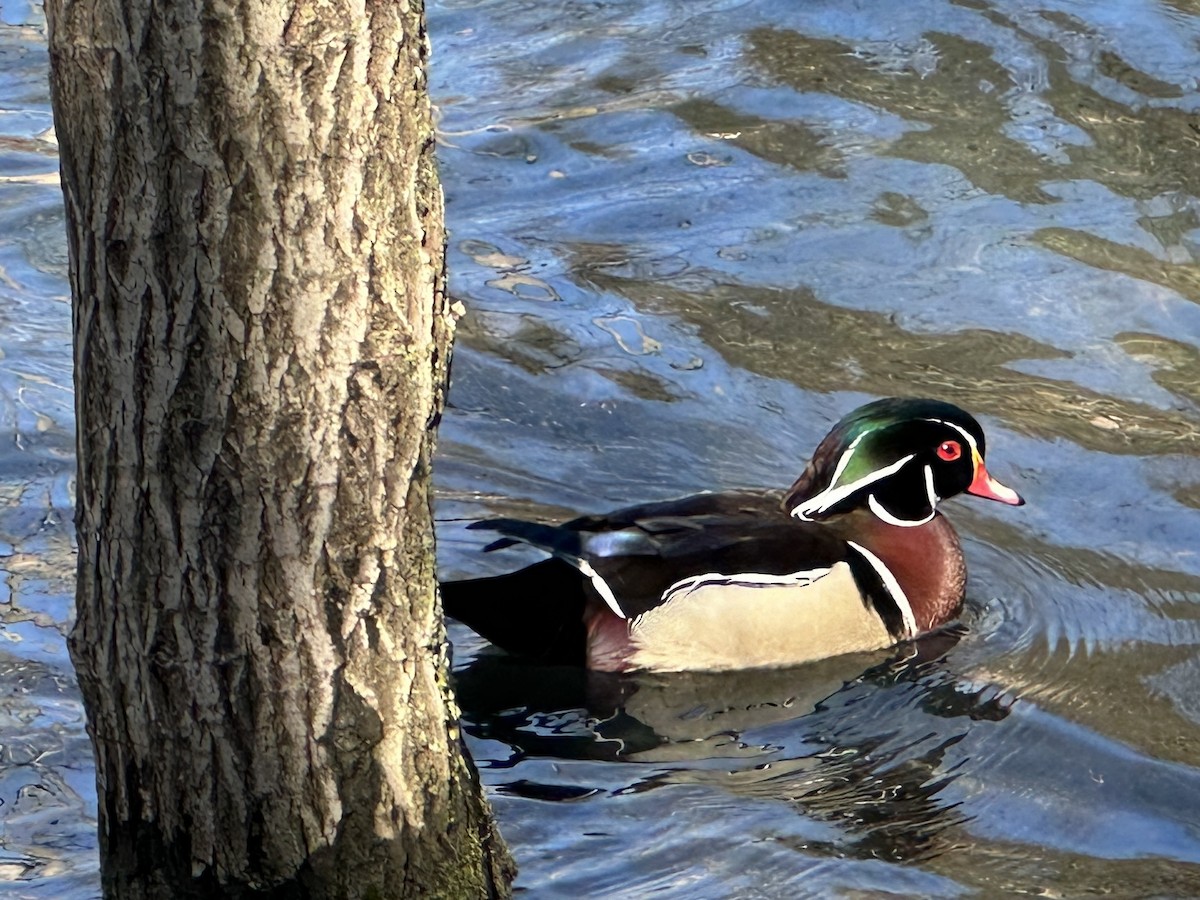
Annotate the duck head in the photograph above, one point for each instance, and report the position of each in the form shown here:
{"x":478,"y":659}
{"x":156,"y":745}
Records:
{"x":898,"y":458}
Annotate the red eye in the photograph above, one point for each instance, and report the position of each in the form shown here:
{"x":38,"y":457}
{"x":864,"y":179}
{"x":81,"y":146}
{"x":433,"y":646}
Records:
{"x":950,"y":451}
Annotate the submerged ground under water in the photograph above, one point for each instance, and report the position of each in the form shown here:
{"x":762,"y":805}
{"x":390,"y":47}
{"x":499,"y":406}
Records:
{"x":690,"y":235}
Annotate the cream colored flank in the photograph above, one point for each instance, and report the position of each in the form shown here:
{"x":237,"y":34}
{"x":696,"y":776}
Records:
{"x":722,"y":624}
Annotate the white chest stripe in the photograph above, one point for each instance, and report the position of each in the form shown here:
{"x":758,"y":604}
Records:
{"x":748,"y":579}
{"x":893,"y":588}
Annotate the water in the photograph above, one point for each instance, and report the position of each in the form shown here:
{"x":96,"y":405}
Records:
{"x":690,"y":235}
{"x":47,"y":783}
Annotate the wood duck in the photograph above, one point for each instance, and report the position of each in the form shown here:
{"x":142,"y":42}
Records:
{"x":855,"y":556}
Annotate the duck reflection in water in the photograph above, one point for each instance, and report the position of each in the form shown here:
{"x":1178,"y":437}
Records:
{"x":859,"y":741}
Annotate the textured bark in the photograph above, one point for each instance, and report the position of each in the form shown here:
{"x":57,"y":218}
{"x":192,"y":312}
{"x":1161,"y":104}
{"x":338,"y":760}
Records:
{"x":261,"y":346}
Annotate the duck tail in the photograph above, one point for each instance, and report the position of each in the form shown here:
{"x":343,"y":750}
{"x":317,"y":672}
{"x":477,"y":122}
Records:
{"x":536,"y":612}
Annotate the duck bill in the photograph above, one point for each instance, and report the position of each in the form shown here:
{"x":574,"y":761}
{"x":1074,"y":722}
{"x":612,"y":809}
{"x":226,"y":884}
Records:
{"x":986,"y":486}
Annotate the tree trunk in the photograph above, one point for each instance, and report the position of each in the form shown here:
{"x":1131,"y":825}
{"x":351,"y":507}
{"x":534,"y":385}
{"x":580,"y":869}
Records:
{"x":261,"y":349}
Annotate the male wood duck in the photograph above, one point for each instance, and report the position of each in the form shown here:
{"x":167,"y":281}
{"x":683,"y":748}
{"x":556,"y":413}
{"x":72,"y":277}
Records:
{"x":855,"y":556}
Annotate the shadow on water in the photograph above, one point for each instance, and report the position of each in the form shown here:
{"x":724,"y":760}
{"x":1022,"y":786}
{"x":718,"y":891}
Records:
{"x":872,"y":352}
{"x":962,"y":100}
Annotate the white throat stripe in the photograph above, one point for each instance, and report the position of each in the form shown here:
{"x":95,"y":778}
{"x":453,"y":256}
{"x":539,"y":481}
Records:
{"x":877,"y":508}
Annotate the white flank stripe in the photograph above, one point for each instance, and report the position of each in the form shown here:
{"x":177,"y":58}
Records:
{"x":831,"y":496}
{"x":893,"y":588}
{"x":601,"y":587}
{"x":690,"y":584}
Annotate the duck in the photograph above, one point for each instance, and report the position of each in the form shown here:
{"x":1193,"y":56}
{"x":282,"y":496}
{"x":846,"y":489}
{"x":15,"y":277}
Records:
{"x":855,"y":556}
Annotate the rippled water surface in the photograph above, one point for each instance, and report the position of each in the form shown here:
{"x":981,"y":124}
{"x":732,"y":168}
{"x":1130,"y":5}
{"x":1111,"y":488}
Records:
{"x":47,"y":783}
{"x":689,"y":236}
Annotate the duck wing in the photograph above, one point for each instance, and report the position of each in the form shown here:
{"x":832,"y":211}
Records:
{"x":637,"y":558}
